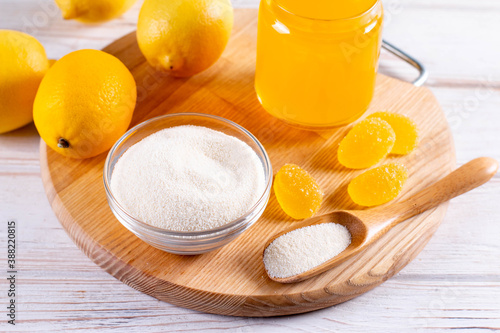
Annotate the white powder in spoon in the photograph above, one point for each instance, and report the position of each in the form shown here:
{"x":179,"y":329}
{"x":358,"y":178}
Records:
{"x":303,"y":249}
{"x":188,"y":178}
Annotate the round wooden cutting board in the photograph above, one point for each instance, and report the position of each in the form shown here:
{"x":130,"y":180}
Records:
{"x":232,"y":280}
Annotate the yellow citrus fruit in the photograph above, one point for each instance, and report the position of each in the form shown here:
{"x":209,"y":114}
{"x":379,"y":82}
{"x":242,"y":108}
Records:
{"x":23,"y":63}
{"x":92,"y":11}
{"x":85,"y":103}
{"x":184,"y":37}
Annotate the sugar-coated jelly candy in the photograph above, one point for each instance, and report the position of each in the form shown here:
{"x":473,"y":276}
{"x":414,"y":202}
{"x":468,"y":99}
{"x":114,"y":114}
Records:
{"x":379,"y":185}
{"x":298,"y":194}
{"x":405,"y":129}
{"x":366,"y":144}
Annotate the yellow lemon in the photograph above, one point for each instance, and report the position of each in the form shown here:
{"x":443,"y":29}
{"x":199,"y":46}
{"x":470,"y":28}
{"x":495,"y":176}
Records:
{"x":85,"y":103}
{"x":184,"y":37}
{"x":23,"y":63}
{"x":92,"y":11}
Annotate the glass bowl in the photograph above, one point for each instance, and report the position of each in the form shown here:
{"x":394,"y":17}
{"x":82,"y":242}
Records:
{"x":193,"y":242}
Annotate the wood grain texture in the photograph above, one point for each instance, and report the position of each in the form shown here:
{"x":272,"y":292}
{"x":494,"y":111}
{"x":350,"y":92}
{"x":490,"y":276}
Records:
{"x":232,"y":280}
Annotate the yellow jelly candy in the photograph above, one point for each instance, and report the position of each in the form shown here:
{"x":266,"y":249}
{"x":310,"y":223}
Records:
{"x":366,"y":144}
{"x":379,"y":185}
{"x":297,"y":192}
{"x":405,"y":129}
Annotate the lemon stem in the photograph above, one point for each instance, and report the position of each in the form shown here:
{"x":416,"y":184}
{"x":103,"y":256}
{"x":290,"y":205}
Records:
{"x":69,"y":10}
{"x":62,"y":143}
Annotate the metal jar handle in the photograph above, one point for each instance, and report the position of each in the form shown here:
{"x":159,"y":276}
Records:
{"x":409,"y":59}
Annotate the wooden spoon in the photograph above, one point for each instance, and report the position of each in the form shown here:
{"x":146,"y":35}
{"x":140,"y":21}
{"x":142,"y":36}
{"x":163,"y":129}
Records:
{"x":366,"y":226}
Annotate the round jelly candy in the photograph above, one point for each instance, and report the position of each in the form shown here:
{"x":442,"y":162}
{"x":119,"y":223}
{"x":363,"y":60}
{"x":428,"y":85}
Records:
{"x":366,"y":144}
{"x":405,"y":129}
{"x":297,"y":192}
{"x":379,"y":185}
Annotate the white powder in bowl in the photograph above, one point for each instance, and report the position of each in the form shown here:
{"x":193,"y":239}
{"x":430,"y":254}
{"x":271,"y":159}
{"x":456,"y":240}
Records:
{"x":303,"y":249}
{"x":188,"y":178}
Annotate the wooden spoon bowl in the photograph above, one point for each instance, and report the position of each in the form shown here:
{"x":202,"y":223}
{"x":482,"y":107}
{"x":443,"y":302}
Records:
{"x":366,"y":226}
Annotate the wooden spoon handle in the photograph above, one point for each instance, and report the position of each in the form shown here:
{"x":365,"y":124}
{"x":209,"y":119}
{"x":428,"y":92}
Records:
{"x":466,"y":178}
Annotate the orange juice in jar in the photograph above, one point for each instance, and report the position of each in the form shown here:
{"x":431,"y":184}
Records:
{"x":317,"y":60}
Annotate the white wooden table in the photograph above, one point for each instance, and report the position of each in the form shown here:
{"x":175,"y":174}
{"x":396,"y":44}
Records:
{"x":454,"y":282}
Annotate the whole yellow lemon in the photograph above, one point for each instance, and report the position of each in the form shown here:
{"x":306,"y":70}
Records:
{"x":93,"y":11}
{"x":184,"y":37}
{"x":85,"y":103}
{"x":23,"y":63}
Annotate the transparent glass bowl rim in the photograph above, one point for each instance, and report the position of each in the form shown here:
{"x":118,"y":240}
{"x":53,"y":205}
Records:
{"x":210,"y":232}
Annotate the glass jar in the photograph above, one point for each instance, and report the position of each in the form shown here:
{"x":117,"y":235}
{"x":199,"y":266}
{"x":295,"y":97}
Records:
{"x":317,"y":71}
